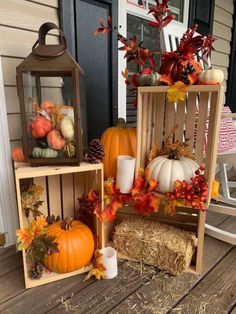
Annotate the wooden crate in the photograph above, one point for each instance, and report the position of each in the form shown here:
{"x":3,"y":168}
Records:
{"x":155,"y":119}
{"x":62,"y":186}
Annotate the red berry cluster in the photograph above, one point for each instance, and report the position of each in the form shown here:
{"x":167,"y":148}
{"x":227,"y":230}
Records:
{"x":191,"y":194}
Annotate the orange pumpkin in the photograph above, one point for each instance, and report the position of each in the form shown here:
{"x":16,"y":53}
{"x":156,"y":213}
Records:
{"x":56,"y":140}
{"x":75,"y":244}
{"x":40,"y":126}
{"x":118,"y":140}
{"x":17,"y":154}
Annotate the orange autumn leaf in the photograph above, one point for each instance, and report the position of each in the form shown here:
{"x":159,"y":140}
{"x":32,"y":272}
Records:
{"x":139,"y":183}
{"x":152,"y":185}
{"x":109,"y":212}
{"x":125,"y":73}
{"x":38,"y":225}
{"x":215,"y":190}
{"x":166,"y":80}
{"x":24,"y":238}
{"x":92,"y":196}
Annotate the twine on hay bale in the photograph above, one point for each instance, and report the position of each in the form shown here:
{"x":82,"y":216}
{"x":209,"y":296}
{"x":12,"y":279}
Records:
{"x":166,"y":247}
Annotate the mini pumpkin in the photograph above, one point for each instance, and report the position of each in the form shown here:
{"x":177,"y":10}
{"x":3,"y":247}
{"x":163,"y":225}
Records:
{"x":211,"y":77}
{"x":75,"y":244}
{"x":67,"y":128}
{"x":17,"y":154}
{"x":167,"y":169}
{"x":39,"y":126}
{"x":44,"y":153}
{"x":152,"y":79}
{"x":56,"y":140}
{"x":117,"y":140}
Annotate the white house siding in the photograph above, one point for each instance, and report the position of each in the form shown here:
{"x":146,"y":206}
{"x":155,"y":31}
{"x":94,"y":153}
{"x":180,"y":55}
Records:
{"x":222,"y":29}
{"x":19,"y":24}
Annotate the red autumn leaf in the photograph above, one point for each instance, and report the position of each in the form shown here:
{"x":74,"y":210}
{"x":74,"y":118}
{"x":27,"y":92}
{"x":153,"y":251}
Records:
{"x":167,"y":20}
{"x":147,"y":203}
{"x":146,"y":71}
{"x":154,"y":24}
{"x":99,"y":30}
{"x":101,"y":23}
{"x":109,"y":23}
{"x":106,"y":30}
{"x":109,"y":213}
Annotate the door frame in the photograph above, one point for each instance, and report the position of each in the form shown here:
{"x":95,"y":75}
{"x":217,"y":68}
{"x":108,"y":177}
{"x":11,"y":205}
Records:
{"x":8,"y":207}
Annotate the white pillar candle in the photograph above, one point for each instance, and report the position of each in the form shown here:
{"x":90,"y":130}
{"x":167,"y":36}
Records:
{"x":125,"y":173}
{"x":109,"y":260}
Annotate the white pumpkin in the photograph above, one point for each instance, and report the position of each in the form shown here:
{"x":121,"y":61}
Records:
{"x":211,"y":77}
{"x":166,"y":171}
{"x":67,"y":128}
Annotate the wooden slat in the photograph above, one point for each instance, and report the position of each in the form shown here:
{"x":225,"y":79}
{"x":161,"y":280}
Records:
{"x":42,"y":182}
{"x":18,"y":43}
{"x":180,"y":121}
{"x":139,"y":132}
{"x":218,"y":58}
{"x":149,"y":122}
{"x":54,"y":195}
{"x":123,"y":285}
{"x":223,"y":17}
{"x":158,"y":118}
{"x":227,"y":5}
{"x":51,"y":3}
{"x":79,"y":188}
{"x":26,"y":15}
{"x":191,"y":119}
{"x":144,"y":128}
{"x":216,"y":291}
{"x":10,"y":262}
{"x":68,"y":195}
{"x":201,"y":126}
{"x":169,"y":118}
{"x":221,"y":31}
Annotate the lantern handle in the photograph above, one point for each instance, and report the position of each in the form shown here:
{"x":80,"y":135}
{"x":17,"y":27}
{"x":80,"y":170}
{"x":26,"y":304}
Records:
{"x":43,"y":31}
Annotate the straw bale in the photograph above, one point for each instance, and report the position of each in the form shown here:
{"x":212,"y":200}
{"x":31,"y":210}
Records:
{"x":161,"y":245}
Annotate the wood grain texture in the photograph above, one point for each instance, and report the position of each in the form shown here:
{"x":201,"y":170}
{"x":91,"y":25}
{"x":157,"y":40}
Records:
{"x":26,"y":15}
{"x":104,"y":296}
{"x":217,"y":291}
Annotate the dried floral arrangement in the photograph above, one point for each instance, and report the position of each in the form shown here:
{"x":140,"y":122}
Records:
{"x":51,"y":127}
{"x":179,"y":67}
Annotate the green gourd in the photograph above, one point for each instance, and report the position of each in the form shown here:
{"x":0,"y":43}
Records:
{"x":44,"y":153}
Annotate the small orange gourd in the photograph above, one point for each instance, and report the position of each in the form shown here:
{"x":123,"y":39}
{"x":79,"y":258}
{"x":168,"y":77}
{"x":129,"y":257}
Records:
{"x":75,"y":244}
{"x":117,"y":140}
{"x":56,"y":140}
{"x":17,"y":154}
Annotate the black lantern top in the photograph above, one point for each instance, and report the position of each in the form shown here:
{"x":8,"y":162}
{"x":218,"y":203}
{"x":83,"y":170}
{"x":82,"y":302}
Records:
{"x":52,"y":101}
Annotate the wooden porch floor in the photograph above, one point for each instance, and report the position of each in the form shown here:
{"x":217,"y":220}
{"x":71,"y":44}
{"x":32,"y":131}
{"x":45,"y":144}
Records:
{"x":135,"y":290}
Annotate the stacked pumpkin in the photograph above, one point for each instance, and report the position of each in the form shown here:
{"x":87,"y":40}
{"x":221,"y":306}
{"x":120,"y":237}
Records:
{"x":52,"y":134}
{"x":117,"y":140}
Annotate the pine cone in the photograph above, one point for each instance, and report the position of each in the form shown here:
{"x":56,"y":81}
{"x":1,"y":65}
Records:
{"x":36,"y":271}
{"x":85,"y":211}
{"x":95,"y":152}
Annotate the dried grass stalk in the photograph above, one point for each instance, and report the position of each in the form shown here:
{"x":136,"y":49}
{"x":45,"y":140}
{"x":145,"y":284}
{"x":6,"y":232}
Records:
{"x":166,"y":247}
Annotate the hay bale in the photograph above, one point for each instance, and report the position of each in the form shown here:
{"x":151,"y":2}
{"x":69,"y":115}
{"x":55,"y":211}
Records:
{"x":166,"y":247}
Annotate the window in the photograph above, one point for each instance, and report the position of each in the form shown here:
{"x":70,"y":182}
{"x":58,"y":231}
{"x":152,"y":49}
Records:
{"x":137,"y":24}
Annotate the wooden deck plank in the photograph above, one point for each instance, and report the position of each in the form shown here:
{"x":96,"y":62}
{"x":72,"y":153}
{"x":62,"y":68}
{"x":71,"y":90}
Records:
{"x":103,"y":295}
{"x":216,"y":293}
{"x":40,"y":299}
{"x":6,"y":252}
{"x":164,"y":291}
{"x":10,"y":262}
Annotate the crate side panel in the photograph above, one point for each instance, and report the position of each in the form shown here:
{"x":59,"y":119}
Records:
{"x":54,"y":195}
{"x":68,"y":204}
{"x":191,"y":119}
{"x":41,"y":181}
{"x":158,"y":118}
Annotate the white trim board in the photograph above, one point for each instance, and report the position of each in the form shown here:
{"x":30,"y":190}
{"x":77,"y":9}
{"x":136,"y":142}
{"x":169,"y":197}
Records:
{"x":8,"y":207}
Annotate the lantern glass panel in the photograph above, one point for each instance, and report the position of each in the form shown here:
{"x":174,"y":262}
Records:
{"x":49,"y":115}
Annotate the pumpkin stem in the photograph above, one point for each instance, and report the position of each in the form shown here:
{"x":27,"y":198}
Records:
{"x":121,"y":123}
{"x":173,"y":154}
{"x":67,"y":223}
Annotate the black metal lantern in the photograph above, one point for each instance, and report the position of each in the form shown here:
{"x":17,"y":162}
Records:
{"x":52,"y":101}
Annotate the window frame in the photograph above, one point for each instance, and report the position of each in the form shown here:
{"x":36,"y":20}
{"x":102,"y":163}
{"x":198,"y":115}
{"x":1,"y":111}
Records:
{"x":125,"y":8}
